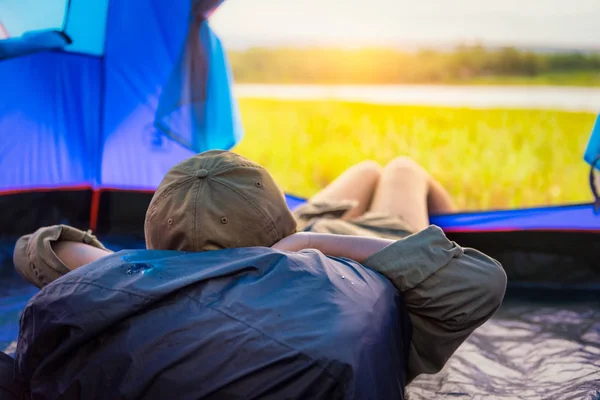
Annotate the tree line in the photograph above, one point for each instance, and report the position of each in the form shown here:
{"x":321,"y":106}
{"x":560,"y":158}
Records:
{"x":390,"y":66}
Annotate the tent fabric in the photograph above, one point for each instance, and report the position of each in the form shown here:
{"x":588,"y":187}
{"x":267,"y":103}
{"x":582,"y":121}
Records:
{"x":49,"y":121}
{"x":592,"y":151}
{"x":133,"y":90}
{"x":182,"y":107}
{"x":134,"y":154}
{"x":222,"y":121}
{"x":33,"y":42}
{"x":553,"y":218}
{"x":592,"y":156}
{"x":581,"y":217}
{"x":85,"y":24}
{"x":544,"y":345}
{"x":249,"y":323}
{"x":199,"y":73}
{"x":9,"y":389}
{"x":89,"y":119}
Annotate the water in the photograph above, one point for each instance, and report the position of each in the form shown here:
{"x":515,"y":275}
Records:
{"x":137,"y":268}
{"x":535,"y":97}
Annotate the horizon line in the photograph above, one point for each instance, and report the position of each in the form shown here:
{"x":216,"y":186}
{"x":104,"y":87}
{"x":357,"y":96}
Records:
{"x":243,"y":43}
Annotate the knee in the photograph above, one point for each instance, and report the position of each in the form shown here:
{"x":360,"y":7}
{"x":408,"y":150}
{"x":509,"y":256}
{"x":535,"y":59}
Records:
{"x":404,"y":165}
{"x":370,"y":169}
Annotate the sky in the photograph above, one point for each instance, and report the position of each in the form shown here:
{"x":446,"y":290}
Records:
{"x":351,"y":23}
{"x":354,"y":23}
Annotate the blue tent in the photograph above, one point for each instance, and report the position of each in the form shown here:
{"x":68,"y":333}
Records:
{"x":98,"y":104}
{"x":99,"y":99}
{"x":115,"y":108}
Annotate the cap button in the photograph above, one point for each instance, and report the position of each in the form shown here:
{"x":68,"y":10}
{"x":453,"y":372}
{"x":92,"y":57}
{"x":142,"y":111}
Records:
{"x":202,"y":173}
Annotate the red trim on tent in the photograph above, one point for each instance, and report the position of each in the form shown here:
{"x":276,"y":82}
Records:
{"x":95,"y":206}
{"x":74,"y":188}
{"x":94,"y":209}
{"x":490,"y":230}
{"x":96,"y":192}
{"x":46,"y":189}
{"x":121,"y":189}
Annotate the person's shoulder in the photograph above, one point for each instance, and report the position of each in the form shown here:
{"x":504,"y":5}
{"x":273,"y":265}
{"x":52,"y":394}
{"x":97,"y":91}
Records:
{"x":340,"y":271}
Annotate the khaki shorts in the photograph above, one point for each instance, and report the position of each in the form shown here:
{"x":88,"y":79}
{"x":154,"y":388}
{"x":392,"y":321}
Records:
{"x":325,"y":217}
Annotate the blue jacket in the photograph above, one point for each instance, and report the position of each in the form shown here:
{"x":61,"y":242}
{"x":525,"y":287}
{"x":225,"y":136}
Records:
{"x":228,"y":324}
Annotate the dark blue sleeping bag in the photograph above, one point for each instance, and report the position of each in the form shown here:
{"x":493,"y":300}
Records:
{"x":9,"y":389}
{"x":228,"y":324}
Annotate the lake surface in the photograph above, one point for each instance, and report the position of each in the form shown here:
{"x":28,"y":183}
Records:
{"x":536,"y":97}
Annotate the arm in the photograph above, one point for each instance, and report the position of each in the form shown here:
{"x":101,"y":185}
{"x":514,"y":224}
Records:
{"x":357,"y":248}
{"x":52,"y":251}
{"x":449,"y":291}
{"x":76,"y":254}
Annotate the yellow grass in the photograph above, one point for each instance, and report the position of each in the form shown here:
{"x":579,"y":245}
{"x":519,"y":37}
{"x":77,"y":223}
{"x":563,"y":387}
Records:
{"x":488,"y":159}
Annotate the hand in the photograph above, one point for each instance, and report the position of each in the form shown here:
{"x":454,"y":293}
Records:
{"x":295,"y":242}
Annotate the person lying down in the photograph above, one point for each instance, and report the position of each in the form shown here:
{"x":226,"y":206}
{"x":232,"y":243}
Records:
{"x":352,"y":295}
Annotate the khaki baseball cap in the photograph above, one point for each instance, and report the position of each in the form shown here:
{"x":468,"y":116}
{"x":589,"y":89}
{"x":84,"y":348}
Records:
{"x":216,"y":200}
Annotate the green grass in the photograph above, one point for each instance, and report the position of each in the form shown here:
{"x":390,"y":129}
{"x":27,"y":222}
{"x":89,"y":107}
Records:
{"x":465,"y":65}
{"x":488,"y":159}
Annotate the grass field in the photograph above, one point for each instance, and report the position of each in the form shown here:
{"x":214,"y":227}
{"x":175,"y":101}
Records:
{"x":581,"y":78}
{"x":488,"y":159}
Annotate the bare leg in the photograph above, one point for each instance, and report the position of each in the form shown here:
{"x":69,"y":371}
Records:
{"x":402,"y":191}
{"x":356,"y":183}
{"x":439,"y":200}
{"x":408,"y":191}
